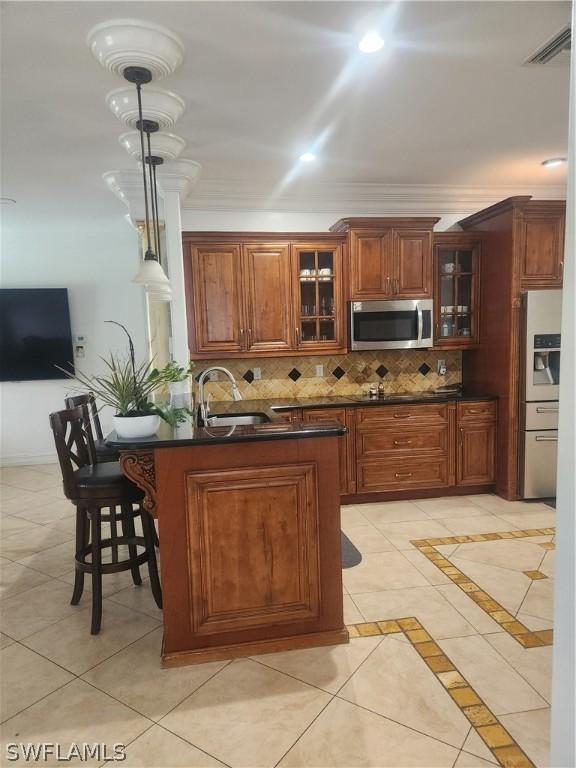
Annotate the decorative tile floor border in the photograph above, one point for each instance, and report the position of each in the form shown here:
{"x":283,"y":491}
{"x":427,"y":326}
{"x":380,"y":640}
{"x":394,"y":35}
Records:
{"x":509,"y":623}
{"x":502,"y":745}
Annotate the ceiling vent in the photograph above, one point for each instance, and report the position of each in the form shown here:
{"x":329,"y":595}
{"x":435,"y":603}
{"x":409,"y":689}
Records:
{"x":556,"y":49}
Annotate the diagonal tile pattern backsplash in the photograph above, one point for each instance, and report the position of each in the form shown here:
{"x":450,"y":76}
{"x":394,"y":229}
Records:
{"x":351,"y":374}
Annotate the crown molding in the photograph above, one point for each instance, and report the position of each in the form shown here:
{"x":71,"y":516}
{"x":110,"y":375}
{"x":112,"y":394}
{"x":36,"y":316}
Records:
{"x":358,"y":199}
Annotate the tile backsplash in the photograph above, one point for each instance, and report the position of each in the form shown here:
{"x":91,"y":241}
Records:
{"x":351,"y":374}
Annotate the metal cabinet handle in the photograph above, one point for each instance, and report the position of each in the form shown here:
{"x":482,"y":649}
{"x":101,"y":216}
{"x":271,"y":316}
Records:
{"x":402,"y":442}
{"x":402,"y":415}
{"x":242,"y":332}
{"x":402,"y":474}
{"x":542,"y":409}
{"x":249,"y":337}
{"x":297,"y":337}
{"x":388,"y":287}
{"x":561,"y":270}
{"x":541,"y":439}
{"x":474,"y":410}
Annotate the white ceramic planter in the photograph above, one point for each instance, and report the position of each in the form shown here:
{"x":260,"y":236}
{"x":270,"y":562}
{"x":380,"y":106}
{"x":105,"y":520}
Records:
{"x":136,"y":426}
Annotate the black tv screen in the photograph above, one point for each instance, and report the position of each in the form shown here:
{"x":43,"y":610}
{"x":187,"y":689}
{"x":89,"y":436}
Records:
{"x":35,"y":334}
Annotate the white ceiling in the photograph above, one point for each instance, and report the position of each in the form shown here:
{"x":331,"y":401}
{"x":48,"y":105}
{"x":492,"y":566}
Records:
{"x":447,"y":103}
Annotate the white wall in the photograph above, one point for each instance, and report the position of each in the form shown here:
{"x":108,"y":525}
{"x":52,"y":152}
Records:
{"x":96,"y":261}
{"x":563,"y":732}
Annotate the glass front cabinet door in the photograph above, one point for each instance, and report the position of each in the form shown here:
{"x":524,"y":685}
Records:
{"x":456,"y":268}
{"x":318,"y":299}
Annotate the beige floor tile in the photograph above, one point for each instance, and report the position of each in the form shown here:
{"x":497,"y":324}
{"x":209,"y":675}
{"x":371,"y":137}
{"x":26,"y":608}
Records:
{"x":447,"y":549}
{"x":26,"y":678}
{"x":37,"y":608}
{"x":548,"y":563}
{"x":529,"y":518}
{"x":395,"y":682}
{"x":507,"y":587}
{"x":351,"y":516}
{"x":449,"y":506}
{"x":497,"y":504}
{"x":393,"y":512}
{"x":539,"y":600}
{"x":134,"y":677}
{"x":466,"y":760}
{"x":22,"y":545}
{"x":533,"y":622}
{"x":532,"y":732}
{"x":327,"y":667}
{"x":478,"y":618}
{"x":138,"y":598}
{"x":387,"y":570}
{"x":75,"y":714}
{"x":476,"y":747}
{"x":52,"y":469}
{"x":534,"y":664}
{"x":54,"y":561}
{"x":5,"y":641}
{"x":158,"y":748}
{"x":514,"y":554}
{"x":494,"y":680}
{"x":467,"y":526}
{"x":247,"y":715}
{"x":10,"y":525}
{"x":351,"y":613}
{"x":367,"y":539}
{"x":16,"y":501}
{"x":431,"y":573}
{"x":53,"y":511}
{"x":16,"y":578}
{"x":425,"y":603}
{"x":401,"y":534}
{"x":70,"y":644}
{"x":346,"y":736}
{"x":28,"y":479}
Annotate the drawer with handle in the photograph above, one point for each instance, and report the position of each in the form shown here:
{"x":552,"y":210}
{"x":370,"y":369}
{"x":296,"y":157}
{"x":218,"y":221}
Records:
{"x":543,"y":415}
{"x":394,"y":476}
{"x":403,"y":414}
{"x":477,"y":411}
{"x":390,"y":441}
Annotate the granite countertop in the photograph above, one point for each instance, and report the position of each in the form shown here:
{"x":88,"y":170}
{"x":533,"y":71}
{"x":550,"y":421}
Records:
{"x":275,"y":428}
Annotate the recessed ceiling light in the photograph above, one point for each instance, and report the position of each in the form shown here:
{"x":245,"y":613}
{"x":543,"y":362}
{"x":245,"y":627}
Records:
{"x":554,"y":161}
{"x":308,"y":157}
{"x":371,"y":42}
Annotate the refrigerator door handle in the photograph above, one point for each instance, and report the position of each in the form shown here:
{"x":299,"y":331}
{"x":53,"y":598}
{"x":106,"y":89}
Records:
{"x":547,"y":409}
{"x":542,"y":439}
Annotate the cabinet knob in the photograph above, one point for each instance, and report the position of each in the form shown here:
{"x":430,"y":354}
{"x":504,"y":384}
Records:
{"x":402,"y":442}
{"x":399,"y":475}
{"x":402,"y":415}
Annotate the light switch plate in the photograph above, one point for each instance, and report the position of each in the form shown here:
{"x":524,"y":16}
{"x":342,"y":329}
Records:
{"x":319,"y":370}
{"x":257,"y":373}
{"x":442,"y":369}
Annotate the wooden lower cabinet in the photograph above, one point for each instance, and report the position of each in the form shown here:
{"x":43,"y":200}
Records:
{"x":401,"y":475}
{"x":476,"y":453}
{"x":346,"y":443}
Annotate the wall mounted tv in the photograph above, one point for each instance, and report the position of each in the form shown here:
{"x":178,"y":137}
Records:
{"x":35,"y":334}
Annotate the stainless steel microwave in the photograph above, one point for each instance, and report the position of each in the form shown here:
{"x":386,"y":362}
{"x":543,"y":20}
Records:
{"x":391,"y":324}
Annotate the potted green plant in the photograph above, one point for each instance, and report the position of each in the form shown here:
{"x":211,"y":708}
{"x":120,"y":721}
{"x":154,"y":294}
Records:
{"x":128,"y":387}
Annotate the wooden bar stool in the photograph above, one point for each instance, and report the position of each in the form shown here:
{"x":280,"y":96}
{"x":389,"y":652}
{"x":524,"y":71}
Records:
{"x":92,"y":487}
{"x":103,"y":453}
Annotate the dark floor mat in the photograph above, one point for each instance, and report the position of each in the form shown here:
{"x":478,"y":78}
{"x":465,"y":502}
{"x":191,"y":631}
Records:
{"x":350,"y":555}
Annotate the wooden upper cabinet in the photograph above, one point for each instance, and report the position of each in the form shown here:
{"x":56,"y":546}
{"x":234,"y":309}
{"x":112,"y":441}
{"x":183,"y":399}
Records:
{"x":370,"y":264}
{"x":215,"y":305}
{"x":389,"y":257}
{"x":269,"y":324}
{"x":541,"y":244}
{"x":412,"y":273}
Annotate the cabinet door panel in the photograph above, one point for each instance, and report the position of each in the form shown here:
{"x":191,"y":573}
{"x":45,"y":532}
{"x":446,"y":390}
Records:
{"x":217,"y":298}
{"x":253,"y":547}
{"x":412,"y":264}
{"x":267,"y":281}
{"x":542,"y":249}
{"x":476,"y":453}
{"x":345,"y":443}
{"x":370,"y":265}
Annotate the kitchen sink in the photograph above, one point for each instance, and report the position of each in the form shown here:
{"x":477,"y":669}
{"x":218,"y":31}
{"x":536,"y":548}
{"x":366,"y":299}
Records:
{"x":233,"y":420}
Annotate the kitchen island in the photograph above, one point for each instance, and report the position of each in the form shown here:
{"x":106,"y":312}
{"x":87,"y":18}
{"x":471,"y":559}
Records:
{"x":249,"y":529}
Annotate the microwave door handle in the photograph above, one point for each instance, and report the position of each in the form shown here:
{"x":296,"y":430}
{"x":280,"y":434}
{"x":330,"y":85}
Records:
{"x":420,"y":322}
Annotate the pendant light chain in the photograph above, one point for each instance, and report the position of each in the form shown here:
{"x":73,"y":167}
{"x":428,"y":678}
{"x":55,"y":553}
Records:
{"x":157,"y":217}
{"x":146,"y":213}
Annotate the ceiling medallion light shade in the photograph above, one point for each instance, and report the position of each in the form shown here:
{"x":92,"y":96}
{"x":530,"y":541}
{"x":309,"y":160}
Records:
{"x":122,"y":43}
{"x":164,"y":107}
{"x":165,"y":145}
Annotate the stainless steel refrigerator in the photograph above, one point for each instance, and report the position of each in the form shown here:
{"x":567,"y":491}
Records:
{"x":539,"y":393}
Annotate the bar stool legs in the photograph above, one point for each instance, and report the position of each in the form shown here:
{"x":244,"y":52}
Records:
{"x":96,"y":571}
{"x":129,"y":532}
{"x":81,"y":542}
{"x":148,"y":528}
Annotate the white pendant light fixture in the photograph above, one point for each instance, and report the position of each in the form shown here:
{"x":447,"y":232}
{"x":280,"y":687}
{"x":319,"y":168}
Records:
{"x":165,"y":107}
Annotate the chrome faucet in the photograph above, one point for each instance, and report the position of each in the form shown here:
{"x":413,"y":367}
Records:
{"x":204,"y":405}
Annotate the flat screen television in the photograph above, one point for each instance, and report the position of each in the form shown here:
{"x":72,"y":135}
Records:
{"x":35,"y":334}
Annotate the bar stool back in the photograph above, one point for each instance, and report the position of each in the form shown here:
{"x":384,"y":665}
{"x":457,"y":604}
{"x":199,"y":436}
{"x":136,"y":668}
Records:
{"x":93,"y":487}
{"x":103,"y":453}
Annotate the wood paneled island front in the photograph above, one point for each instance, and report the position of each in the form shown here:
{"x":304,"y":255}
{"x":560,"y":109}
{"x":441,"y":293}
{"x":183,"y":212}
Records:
{"x":249,"y":529}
